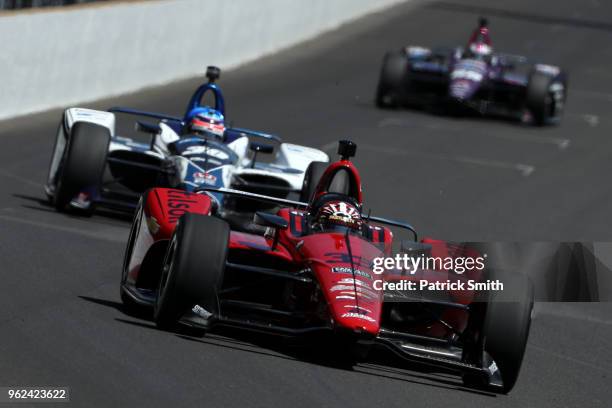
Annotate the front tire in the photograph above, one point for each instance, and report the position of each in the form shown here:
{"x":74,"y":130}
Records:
{"x":505,"y":328}
{"x":83,"y":162}
{"x":129,"y":303}
{"x":193,"y":269}
{"x":544,"y":101}
{"x":393,"y":80}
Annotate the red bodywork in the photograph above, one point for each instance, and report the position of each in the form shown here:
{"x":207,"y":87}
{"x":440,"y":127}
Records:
{"x":155,"y":222}
{"x":343,"y":283}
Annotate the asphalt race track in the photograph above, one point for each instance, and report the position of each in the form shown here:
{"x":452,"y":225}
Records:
{"x":61,"y":321}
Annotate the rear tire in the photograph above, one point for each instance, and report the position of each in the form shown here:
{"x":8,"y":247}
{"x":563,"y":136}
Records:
{"x":83,"y":162}
{"x":193,"y":269}
{"x":393,"y":80}
{"x":313,"y":174}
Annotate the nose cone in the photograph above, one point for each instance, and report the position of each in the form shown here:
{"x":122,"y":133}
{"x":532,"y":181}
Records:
{"x":358,"y":322}
{"x":462,"y":89}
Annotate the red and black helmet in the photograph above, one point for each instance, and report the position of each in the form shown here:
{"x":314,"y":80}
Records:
{"x":338,"y":216}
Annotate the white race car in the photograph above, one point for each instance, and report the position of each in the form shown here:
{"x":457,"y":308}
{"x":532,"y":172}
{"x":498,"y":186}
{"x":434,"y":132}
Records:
{"x":93,"y":166}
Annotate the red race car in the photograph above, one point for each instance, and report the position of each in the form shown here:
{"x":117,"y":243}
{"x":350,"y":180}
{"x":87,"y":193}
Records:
{"x":311,"y":268}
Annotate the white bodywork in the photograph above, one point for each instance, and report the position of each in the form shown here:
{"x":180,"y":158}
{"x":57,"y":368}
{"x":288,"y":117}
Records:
{"x":289,"y":163}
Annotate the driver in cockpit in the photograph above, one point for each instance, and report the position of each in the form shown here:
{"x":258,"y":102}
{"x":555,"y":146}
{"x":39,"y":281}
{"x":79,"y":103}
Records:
{"x":202,"y":122}
{"x":480,"y":46}
{"x":205,"y":122}
{"x":337,"y":216}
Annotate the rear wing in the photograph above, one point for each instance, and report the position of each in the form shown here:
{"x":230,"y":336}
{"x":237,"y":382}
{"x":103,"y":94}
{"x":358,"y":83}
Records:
{"x":258,"y":197}
{"x":511,"y":58}
{"x":135,"y":112}
{"x":240,"y":132}
{"x":170,"y":118}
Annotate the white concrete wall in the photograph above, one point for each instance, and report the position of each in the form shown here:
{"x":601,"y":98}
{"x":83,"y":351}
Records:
{"x":58,"y":58}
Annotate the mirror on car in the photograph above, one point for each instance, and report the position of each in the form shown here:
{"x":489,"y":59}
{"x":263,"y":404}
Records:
{"x":257,"y":148}
{"x":270,"y":220}
{"x":261,"y":148}
{"x":152,"y":128}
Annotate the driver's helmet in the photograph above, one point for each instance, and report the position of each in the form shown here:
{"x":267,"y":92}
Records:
{"x":480,"y":50}
{"x":206,"y":122}
{"x":338,"y":216}
{"x":480,"y":45}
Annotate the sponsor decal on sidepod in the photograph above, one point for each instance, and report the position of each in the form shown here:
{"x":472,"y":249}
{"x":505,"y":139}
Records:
{"x":359,"y":316}
{"x":349,"y":271}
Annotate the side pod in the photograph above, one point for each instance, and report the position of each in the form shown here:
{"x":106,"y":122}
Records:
{"x":164,"y":206}
{"x":156,"y":218}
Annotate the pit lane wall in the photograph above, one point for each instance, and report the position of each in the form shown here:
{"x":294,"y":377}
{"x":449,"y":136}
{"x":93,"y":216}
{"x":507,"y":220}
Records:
{"x":56,"y":58}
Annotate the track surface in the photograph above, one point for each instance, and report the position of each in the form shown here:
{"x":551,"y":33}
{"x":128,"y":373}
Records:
{"x":457,"y":178}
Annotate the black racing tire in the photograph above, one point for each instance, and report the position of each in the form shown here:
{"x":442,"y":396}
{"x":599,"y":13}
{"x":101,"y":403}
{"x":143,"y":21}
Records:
{"x":393,"y":80}
{"x":541,"y":101}
{"x":83,"y":163}
{"x":505,"y":328}
{"x":60,"y":139}
{"x":313,"y":174}
{"x":129,"y":304}
{"x":193,"y":269}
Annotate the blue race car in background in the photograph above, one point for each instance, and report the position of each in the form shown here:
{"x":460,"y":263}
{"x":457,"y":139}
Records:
{"x":93,"y":166}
